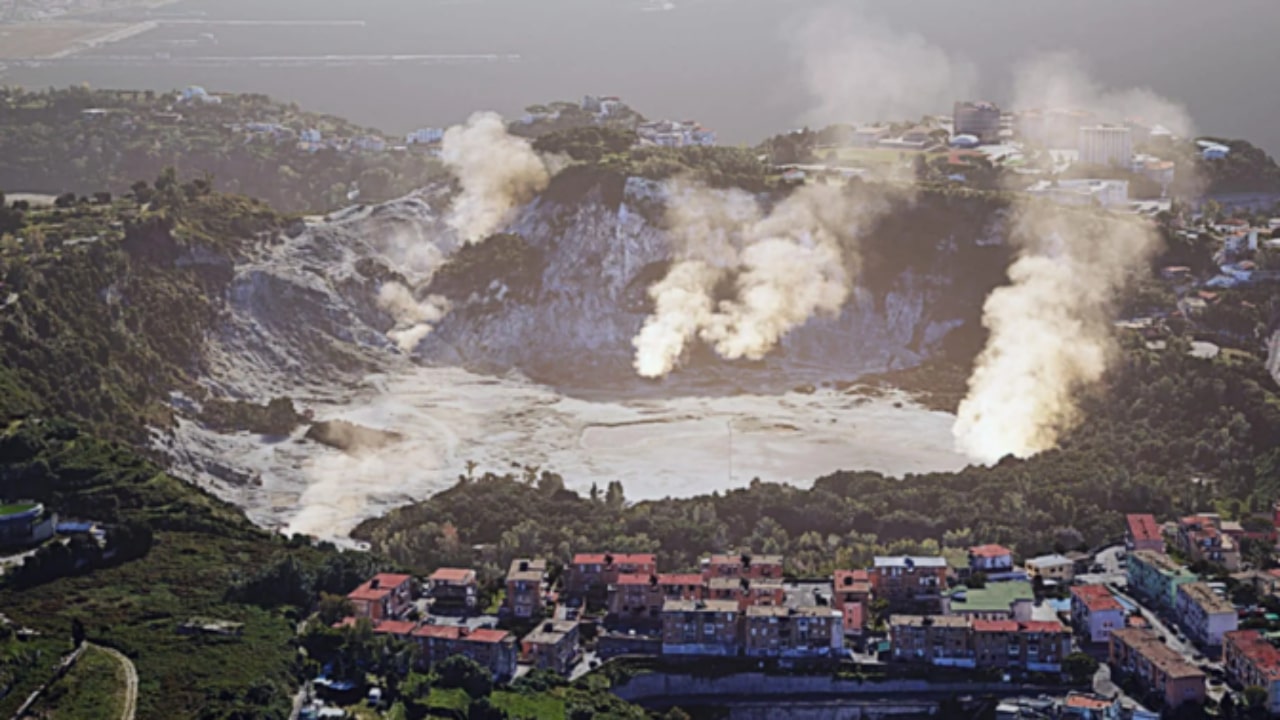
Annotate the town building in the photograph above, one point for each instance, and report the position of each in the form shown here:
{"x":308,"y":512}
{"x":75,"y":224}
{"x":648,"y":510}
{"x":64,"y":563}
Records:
{"x":1101,"y":193}
{"x":910,"y":584}
{"x":1252,"y":661}
{"x":742,"y":566}
{"x":424,"y":136}
{"x":553,"y":645}
{"x":1036,"y":645}
{"x":452,"y":590}
{"x":493,"y":649}
{"x":1012,"y":600}
{"x":1095,"y":612}
{"x":980,"y":119}
{"x":941,"y":640}
{"x":1141,"y":531}
{"x":700,"y":627}
{"x":1203,"y":614}
{"x":1140,"y":654}
{"x":851,"y":595}
{"x":526,"y":581}
{"x":1106,"y":145}
{"x":1053,"y":128}
{"x":990,"y":559}
{"x":25,"y":523}
{"x":1058,"y":568}
{"x":635,"y":600}
{"x":1155,"y":577}
{"x":1201,"y":538}
{"x":593,"y":573}
{"x":681,"y":586}
{"x":869,"y":135}
{"x":797,"y":633}
{"x":746,"y":592}
{"x":385,"y":596}
{"x":1086,"y":706}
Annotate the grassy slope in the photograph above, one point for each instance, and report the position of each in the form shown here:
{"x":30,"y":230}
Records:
{"x":92,"y":690}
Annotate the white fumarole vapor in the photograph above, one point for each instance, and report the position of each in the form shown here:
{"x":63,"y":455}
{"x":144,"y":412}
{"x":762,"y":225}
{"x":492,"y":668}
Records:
{"x":793,"y":263}
{"x":498,"y":173}
{"x":1051,"y":330}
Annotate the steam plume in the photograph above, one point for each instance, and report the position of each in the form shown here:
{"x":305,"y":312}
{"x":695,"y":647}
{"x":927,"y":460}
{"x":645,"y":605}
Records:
{"x":1051,"y":331}
{"x":497,"y":171}
{"x":859,"y":70}
{"x":1060,"y":81}
{"x":414,"y":318}
{"x":792,"y":263}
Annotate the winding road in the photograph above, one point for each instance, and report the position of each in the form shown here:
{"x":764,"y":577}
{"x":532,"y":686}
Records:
{"x":131,"y":682}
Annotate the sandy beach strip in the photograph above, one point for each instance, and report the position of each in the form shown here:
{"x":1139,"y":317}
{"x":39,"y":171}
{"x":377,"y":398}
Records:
{"x":57,"y":39}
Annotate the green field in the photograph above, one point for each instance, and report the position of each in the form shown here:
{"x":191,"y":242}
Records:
{"x":93,"y":689}
{"x":15,"y":508}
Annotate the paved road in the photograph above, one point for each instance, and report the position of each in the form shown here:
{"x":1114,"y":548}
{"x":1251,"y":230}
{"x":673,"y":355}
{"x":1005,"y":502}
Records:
{"x":130,"y":682}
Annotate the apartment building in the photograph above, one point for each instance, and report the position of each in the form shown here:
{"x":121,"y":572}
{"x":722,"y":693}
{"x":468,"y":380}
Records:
{"x":1095,"y":612}
{"x":681,"y":586}
{"x":553,"y":645}
{"x":1203,"y":614}
{"x":980,"y":119}
{"x":1035,"y":645}
{"x":851,"y":595}
{"x":746,"y":592}
{"x":1202,"y":538}
{"x":910,"y":584}
{"x":752,"y":567}
{"x":990,"y":559}
{"x":385,"y":596}
{"x":780,"y":632}
{"x":934,"y":640}
{"x":494,"y":649}
{"x":1251,"y":660}
{"x":593,"y":573}
{"x":452,"y":590}
{"x":1141,"y":654}
{"x":1155,"y":577}
{"x":1143,"y":533}
{"x":1058,"y":568}
{"x":635,"y":599}
{"x":1106,"y":145}
{"x":700,"y":627}
{"x":526,"y":582}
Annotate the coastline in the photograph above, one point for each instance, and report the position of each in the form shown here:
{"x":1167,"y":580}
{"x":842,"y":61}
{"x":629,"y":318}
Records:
{"x":74,"y":32}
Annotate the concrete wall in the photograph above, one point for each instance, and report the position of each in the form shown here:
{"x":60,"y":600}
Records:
{"x":835,"y":710}
{"x":744,"y":686}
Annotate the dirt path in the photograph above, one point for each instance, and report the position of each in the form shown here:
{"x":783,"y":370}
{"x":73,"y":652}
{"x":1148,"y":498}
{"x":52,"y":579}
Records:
{"x":131,"y":682}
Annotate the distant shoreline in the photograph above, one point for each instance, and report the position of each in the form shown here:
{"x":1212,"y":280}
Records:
{"x":73,"y":32}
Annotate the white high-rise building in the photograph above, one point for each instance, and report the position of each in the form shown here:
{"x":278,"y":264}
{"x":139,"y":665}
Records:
{"x":1106,"y":145}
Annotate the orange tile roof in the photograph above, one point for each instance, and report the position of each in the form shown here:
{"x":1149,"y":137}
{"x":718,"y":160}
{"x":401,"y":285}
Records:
{"x":680,"y":579}
{"x":1143,"y":527}
{"x":452,"y":575}
{"x":995,"y":626}
{"x":1087,"y":702}
{"x":635,"y":579}
{"x":385,"y":582}
{"x":618,"y":559}
{"x":989,"y":551}
{"x":1096,"y":597}
{"x":395,"y":627}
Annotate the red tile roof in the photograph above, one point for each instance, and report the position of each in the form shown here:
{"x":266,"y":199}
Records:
{"x":1143,"y":527}
{"x":680,"y":579}
{"x":618,"y":559}
{"x":1255,"y":647}
{"x":385,"y":582}
{"x":1096,"y":597}
{"x":634,"y":579}
{"x":457,"y":575}
{"x":1087,"y":702}
{"x":1042,"y":626}
{"x":995,"y":626}
{"x":851,"y":579}
{"x":455,"y":632}
{"x":395,"y":627}
{"x":990,"y":551}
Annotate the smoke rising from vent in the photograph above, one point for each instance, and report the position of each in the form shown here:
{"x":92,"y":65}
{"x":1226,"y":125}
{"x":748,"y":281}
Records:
{"x":859,"y":70}
{"x":1051,"y":329}
{"x":787,"y":265}
{"x":498,"y":173}
{"x":414,"y":318}
{"x":1060,"y":81}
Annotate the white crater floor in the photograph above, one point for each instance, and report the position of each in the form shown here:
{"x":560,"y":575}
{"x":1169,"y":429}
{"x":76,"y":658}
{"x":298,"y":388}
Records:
{"x":656,"y":446}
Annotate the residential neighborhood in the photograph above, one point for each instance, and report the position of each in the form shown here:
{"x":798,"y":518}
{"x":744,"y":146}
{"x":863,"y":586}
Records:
{"x":1160,"y":634}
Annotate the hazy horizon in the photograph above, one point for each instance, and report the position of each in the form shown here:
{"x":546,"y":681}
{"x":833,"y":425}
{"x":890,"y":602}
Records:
{"x":732,"y":64}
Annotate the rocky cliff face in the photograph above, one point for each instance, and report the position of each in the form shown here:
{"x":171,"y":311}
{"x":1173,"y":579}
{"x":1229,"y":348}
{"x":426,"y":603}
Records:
{"x":306,"y":307}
